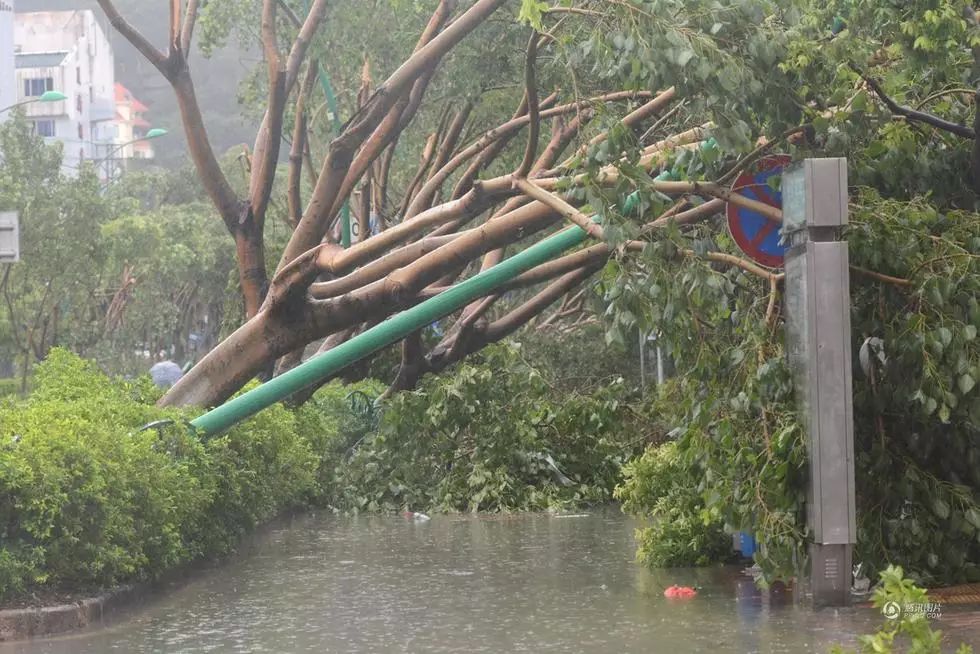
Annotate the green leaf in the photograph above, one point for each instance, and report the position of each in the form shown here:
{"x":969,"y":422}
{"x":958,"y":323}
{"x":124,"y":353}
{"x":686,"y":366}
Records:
{"x":966,"y":383}
{"x":532,"y":12}
{"x":973,"y":517}
{"x":940,"y":508}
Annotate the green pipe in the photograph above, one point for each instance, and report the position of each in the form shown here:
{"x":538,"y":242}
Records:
{"x":337,"y":127}
{"x":394,"y":329}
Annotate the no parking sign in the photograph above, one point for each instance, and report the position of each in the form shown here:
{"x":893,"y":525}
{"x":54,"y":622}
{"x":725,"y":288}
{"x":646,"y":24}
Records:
{"x":757,"y":235}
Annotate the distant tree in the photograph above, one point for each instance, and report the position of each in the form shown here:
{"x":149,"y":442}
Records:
{"x":43,"y":295}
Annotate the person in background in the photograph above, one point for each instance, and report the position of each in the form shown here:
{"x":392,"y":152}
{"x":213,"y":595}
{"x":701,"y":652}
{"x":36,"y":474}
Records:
{"x":165,"y":373}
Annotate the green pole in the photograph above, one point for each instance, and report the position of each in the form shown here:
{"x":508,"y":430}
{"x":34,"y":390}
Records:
{"x":337,"y":126}
{"x":394,"y":329}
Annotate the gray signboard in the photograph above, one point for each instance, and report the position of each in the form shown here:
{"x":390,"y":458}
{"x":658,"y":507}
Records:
{"x":9,"y":237}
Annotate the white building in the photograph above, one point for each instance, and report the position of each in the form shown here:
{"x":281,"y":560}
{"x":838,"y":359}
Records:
{"x":67,"y":51}
{"x":8,"y":94}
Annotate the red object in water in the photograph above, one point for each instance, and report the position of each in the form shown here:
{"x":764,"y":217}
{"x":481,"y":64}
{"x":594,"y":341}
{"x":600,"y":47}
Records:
{"x":680,"y":592}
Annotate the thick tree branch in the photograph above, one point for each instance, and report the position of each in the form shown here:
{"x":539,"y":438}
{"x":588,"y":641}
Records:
{"x":315,"y":221}
{"x":173,"y":43}
{"x":190,"y":21}
{"x":533,"y":110}
{"x":131,"y":34}
{"x":913,"y":114}
{"x":566,"y":210}
{"x":293,"y":183}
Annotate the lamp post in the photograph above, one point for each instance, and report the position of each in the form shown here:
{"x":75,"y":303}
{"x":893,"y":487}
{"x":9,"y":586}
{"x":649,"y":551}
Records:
{"x":154,"y":133}
{"x":47,"y":96}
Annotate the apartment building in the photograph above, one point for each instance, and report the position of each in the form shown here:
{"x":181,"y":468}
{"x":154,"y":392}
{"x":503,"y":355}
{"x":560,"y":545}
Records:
{"x":8,"y":94}
{"x":67,"y":51}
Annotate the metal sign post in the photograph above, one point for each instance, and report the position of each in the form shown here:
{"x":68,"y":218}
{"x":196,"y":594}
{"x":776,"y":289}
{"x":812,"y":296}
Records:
{"x":818,"y":339}
{"x":9,"y":237}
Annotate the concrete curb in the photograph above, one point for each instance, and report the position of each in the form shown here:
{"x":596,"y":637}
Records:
{"x":38,"y":622}
{"x":21,"y":624}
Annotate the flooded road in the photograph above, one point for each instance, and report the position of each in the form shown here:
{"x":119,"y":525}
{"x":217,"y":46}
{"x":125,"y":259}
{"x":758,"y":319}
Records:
{"x":527,"y":583}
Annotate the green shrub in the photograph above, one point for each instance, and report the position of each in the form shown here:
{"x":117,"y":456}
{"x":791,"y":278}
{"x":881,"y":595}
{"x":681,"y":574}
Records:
{"x":86,"y":500}
{"x":9,"y":387}
{"x":334,"y":422}
{"x":83,"y":499}
{"x":907,"y":624}
{"x":658,"y":486}
{"x":486,"y":436}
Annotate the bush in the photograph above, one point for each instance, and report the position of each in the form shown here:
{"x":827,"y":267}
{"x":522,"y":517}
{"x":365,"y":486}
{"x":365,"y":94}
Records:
{"x":334,"y":422}
{"x":88,"y":501}
{"x":903,"y":604}
{"x":487,"y":437}
{"x":658,"y":486}
{"x":9,"y":387}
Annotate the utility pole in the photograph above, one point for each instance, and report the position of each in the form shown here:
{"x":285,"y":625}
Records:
{"x":818,"y":341}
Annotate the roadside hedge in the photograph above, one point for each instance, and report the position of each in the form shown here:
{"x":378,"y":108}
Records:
{"x":88,"y":501}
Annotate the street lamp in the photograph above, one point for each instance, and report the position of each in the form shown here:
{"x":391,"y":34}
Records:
{"x":154,"y":133}
{"x":47,"y":96}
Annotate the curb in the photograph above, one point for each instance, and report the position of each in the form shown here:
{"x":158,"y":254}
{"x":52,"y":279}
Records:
{"x":39,"y":622}
{"x":22,"y":624}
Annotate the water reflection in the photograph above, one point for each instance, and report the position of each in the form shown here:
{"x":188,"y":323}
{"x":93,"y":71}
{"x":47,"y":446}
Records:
{"x":459,"y":584}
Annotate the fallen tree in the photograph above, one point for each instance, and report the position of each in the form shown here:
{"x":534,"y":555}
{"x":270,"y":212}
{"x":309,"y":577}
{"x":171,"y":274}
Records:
{"x":320,"y":290}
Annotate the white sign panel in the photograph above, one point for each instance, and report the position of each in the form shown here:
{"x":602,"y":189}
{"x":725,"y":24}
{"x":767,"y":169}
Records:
{"x":9,"y":237}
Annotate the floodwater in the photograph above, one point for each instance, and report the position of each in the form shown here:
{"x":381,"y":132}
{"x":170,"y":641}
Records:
{"x":524,"y":583}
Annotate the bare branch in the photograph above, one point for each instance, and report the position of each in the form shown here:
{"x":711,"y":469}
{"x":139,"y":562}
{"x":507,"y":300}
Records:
{"x":427,"y":153}
{"x":317,"y":218}
{"x":152,"y":54}
{"x":301,"y":45}
{"x":566,"y":210}
{"x":290,"y":14}
{"x":494,"y":136}
{"x":514,"y":320}
{"x":293,"y":197}
{"x":913,"y":114}
{"x":190,"y":21}
{"x":173,"y":43}
{"x":533,"y":110}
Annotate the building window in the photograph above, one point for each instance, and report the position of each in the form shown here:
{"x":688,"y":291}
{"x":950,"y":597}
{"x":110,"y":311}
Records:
{"x":78,"y":103}
{"x":78,"y":74}
{"x":37,"y":86}
{"x":81,"y":133}
{"x":44,"y":127}
{"x":81,"y":154}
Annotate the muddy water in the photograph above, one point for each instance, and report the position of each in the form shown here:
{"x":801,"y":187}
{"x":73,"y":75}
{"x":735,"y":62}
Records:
{"x":529,"y":583}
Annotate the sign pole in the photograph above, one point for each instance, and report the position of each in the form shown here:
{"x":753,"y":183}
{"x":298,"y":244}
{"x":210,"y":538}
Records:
{"x":818,"y":342}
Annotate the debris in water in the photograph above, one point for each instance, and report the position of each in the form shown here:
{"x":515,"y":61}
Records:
{"x":680,"y":592}
{"x":418,"y":517}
